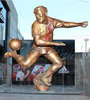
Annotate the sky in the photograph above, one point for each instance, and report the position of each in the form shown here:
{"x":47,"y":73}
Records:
{"x":66,"y":10}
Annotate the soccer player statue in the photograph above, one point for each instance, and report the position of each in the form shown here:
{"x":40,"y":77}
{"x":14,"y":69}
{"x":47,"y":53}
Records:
{"x":42,"y":33}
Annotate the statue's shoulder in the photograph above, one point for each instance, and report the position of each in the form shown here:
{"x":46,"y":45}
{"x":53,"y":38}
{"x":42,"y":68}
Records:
{"x":51,"y":19}
{"x":34,"y":24}
{"x":35,"y":28}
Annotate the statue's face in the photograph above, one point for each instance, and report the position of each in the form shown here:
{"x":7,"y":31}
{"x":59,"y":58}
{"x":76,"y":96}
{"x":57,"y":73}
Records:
{"x":40,"y":16}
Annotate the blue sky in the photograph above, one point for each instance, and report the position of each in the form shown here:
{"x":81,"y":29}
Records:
{"x":66,"y":10}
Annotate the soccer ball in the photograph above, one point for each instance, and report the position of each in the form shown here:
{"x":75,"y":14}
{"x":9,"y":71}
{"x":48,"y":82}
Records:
{"x":15,"y":44}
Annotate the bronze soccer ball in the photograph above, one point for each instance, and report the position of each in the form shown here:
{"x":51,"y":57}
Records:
{"x":15,"y":44}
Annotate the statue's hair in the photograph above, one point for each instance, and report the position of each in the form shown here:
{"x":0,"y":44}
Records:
{"x":44,"y":9}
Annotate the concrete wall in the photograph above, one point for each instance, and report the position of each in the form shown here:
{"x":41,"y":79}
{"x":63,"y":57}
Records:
{"x":13,"y":21}
{"x":82,"y":72}
{"x":12,"y":32}
{"x":79,"y":71}
{"x":87,"y":76}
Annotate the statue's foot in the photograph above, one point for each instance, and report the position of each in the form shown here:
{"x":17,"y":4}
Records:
{"x":41,"y":84}
{"x":46,"y":79}
{"x":9,"y":54}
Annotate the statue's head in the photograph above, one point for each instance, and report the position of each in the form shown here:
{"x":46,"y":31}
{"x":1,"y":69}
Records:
{"x":40,"y":13}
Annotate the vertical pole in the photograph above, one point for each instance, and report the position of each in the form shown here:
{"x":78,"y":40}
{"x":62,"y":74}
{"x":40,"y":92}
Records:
{"x":86,"y":40}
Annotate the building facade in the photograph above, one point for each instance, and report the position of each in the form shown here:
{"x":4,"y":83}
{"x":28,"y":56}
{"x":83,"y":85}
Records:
{"x":8,"y":30}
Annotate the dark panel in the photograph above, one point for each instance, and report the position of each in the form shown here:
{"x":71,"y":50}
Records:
{"x":65,"y":75}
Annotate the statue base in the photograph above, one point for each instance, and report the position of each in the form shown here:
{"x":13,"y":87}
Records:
{"x":40,"y":85}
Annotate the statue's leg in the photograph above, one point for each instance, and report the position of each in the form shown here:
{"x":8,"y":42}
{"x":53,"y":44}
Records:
{"x":43,"y":81}
{"x":57,"y":63}
{"x":26,"y":62}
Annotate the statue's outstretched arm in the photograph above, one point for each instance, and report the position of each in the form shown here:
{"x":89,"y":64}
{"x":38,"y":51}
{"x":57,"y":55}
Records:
{"x":64,"y":24}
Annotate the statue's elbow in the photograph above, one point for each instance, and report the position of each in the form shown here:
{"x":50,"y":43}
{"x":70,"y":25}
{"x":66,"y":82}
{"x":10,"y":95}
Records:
{"x":39,"y":43}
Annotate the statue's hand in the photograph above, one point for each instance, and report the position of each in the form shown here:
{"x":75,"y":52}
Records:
{"x":60,"y":44}
{"x":9,"y":54}
{"x":84,"y":24}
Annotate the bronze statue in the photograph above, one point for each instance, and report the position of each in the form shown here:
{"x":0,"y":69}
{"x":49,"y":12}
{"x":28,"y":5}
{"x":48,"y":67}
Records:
{"x":42,"y":32}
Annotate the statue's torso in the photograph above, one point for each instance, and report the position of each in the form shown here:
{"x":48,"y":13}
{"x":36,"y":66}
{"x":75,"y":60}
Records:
{"x":45,"y":32}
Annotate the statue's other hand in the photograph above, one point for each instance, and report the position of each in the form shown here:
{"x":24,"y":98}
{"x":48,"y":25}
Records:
{"x":84,"y":24}
{"x":60,"y":44}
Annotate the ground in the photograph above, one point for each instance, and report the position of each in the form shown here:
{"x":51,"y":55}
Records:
{"x":9,"y":96}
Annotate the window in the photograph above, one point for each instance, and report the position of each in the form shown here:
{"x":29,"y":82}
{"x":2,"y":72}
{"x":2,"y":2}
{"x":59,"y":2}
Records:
{"x":2,"y":38}
{"x":2,"y":23}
